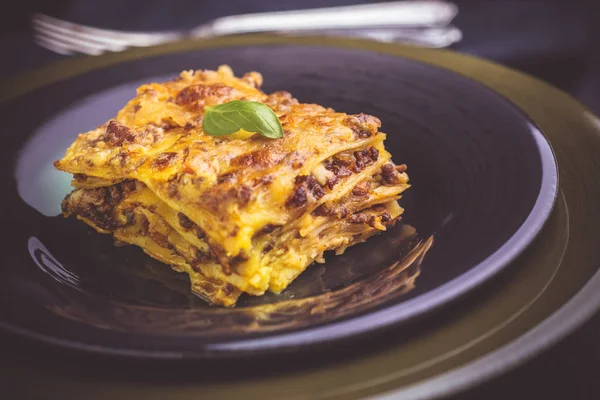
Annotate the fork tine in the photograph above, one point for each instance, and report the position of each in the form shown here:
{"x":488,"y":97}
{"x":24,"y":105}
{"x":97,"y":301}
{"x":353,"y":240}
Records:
{"x":108,"y":37}
{"x":53,"y":45}
{"x":80,"y":41}
{"x":62,"y":33}
{"x":72,"y":44}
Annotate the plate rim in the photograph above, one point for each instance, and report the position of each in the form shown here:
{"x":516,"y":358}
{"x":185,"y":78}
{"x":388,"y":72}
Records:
{"x":362,"y":324}
{"x":551,"y":330}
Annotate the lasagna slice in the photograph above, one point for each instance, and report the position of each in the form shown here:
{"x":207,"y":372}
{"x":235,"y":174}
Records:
{"x":239,"y":213}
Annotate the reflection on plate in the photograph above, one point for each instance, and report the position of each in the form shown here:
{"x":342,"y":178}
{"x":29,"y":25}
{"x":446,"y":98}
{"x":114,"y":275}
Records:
{"x":317,"y":299}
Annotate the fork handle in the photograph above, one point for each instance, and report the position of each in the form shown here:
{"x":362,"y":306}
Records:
{"x":409,"y":13}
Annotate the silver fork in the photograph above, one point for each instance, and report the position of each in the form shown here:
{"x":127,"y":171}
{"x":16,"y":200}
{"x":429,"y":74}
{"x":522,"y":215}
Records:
{"x":421,"y":22}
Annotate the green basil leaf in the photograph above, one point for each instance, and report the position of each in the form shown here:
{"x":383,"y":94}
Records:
{"x":230,"y":117}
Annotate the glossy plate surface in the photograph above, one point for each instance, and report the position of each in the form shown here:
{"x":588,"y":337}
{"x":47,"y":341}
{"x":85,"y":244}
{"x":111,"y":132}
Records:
{"x":484,"y":182}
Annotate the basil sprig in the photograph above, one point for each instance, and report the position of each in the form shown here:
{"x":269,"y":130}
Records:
{"x":251,"y":116}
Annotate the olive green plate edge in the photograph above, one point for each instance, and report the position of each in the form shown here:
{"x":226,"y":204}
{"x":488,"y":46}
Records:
{"x":551,"y":273}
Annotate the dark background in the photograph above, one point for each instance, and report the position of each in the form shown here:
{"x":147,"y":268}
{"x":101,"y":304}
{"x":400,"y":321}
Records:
{"x":557,"y":41}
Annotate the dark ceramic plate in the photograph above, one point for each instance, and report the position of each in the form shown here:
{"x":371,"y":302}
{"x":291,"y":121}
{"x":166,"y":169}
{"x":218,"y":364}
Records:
{"x":484,"y":182}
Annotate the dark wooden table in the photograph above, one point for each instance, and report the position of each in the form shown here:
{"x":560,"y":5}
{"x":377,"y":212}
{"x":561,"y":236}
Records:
{"x":557,"y":41}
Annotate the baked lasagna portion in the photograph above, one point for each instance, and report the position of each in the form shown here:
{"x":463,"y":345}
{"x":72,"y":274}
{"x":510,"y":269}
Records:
{"x":240,"y":213}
